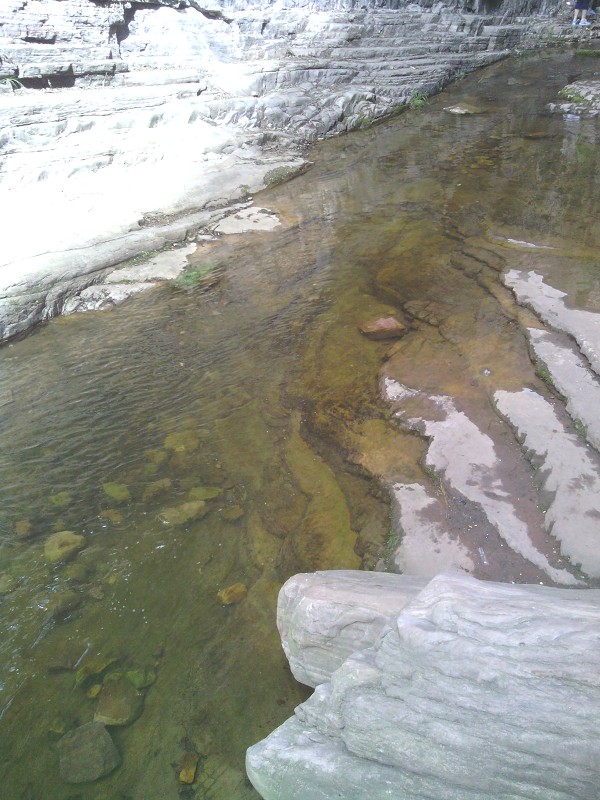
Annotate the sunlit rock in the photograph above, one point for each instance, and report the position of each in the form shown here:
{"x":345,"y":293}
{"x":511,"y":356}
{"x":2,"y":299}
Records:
{"x":476,"y":689}
{"x":323,"y":617}
{"x":87,"y":753}
{"x":569,"y":475}
{"x":63,"y":546}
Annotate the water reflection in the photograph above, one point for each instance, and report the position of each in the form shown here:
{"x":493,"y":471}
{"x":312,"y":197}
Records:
{"x":200,"y":440}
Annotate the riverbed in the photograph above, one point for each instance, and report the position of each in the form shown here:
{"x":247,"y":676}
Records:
{"x":206,"y":437}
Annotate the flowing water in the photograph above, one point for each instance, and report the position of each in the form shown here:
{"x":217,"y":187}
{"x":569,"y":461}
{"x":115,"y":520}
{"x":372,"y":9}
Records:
{"x":259,"y":398}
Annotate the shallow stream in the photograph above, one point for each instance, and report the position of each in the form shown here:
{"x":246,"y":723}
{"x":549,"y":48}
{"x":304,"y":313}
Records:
{"x":259,"y":398}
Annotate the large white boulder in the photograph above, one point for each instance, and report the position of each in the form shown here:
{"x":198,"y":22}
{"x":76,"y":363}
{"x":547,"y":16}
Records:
{"x":478,"y":690}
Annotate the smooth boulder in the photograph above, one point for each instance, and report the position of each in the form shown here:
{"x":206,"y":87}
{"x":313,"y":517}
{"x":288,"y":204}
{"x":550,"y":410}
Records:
{"x":478,"y":690}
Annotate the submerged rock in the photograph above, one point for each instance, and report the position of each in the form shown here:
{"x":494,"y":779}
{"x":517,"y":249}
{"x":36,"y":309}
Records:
{"x":23,"y":529}
{"x":232,"y":594}
{"x":118,"y":492}
{"x":87,"y":753}
{"x":141,"y":678}
{"x":7,"y":584}
{"x":186,"y":512}
{"x":464,"y":109}
{"x":93,"y":668}
{"x":233,"y":513}
{"x":383,"y":328}
{"x":113,"y":515}
{"x":63,"y":546}
{"x":189,"y":763}
{"x":62,"y":603}
{"x":204,"y":493}
{"x":60,"y":500}
{"x":119,"y":702}
{"x":157,"y":488}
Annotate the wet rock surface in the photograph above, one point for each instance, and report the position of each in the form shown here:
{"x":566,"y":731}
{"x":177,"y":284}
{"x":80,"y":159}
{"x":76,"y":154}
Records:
{"x":451,"y":701}
{"x":63,"y":546}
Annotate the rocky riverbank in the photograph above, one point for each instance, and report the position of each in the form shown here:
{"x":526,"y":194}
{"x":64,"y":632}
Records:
{"x":131,"y":127}
{"x":464,"y":689}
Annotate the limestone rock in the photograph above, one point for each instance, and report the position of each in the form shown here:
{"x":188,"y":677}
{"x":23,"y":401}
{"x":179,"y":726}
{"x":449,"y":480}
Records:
{"x":87,"y":753}
{"x":119,"y":702}
{"x":324,"y":617}
{"x":477,"y":690}
{"x":63,"y":546}
{"x":383,"y":328}
{"x":238,"y":96}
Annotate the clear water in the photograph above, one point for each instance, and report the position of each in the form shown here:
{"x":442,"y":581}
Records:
{"x":262,"y":388}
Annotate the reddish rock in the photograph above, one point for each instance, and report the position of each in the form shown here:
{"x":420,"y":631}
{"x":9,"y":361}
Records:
{"x":383,"y":328}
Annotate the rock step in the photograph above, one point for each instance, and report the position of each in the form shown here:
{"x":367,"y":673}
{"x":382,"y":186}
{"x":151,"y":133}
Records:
{"x":570,"y":473}
{"x":548,"y":303}
{"x":572,"y":377}
{"x":481,"y":478}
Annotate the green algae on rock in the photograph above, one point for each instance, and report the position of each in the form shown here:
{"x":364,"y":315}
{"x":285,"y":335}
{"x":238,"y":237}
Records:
{"x":63,"y":546}
{"x":118,"y":492}
{"x":186,"y":512}
{"x":119,"y":702}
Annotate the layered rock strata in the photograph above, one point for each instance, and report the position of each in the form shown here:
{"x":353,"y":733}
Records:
{"x":120,"y":116}
{"x":519,"y":485}
{"x":474,"y":690}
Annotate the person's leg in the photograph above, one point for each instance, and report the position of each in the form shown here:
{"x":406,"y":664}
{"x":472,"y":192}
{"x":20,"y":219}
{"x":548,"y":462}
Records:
{"x":575,"y":16}
{"x":583,"y":17}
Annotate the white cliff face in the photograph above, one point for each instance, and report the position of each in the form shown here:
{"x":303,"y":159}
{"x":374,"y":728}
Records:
{"x":112,"y":113}
{"x":474,"y":690}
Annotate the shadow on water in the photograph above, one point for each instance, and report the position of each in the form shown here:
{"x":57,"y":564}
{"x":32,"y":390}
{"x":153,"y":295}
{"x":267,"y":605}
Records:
{"x":200,"y":440}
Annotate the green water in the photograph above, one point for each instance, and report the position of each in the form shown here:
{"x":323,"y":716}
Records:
{"x":263,"y":389}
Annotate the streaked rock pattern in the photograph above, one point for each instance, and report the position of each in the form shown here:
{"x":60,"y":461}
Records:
{"x":324,"y":617}
{"x":476,"y":690}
